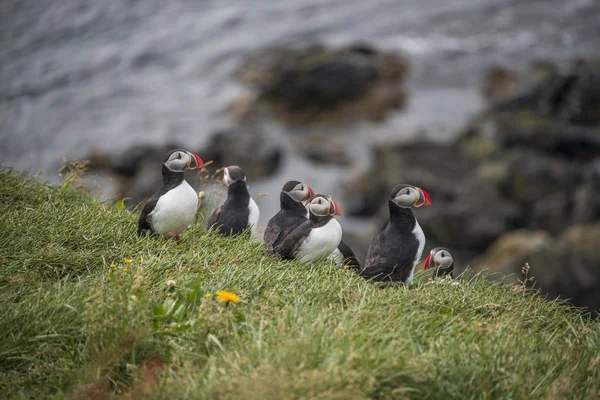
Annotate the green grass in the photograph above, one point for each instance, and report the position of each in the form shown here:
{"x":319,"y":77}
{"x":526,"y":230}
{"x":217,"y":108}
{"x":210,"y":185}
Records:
{"x":72,"y":325}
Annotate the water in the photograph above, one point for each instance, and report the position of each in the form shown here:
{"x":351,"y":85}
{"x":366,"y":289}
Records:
{"x":82,"y":74}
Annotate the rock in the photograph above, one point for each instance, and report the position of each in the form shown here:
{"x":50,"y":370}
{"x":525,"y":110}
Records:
{"x":246,"y":146}
{"x":551,"y":107}
{"x":364,"y":194}
{"x":472,"y":220}
{"x":568,"y":91}
{"x":499,"y":84}
{"x":587,"y":196}
{"x":509,"y":253}
{"x":136,"y":170}
{"x":551,"y":213}
{"x":316,"y":84}
{"x":323,"y":150}
{"x":566,"y":267}
{"x":138,"y":174}
{"x":532,"y":176}
{"x":569,"y":269}
{"x":469,"y":211}
{"x":530,"y":131}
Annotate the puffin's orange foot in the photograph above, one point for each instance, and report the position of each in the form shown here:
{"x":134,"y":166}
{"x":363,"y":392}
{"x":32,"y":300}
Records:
{"x":178,"y":237}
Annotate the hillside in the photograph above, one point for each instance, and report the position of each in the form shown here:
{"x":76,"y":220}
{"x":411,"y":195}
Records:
{"x":88,"y":313}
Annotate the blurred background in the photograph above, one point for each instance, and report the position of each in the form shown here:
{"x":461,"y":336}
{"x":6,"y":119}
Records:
{"x":491,"y":106}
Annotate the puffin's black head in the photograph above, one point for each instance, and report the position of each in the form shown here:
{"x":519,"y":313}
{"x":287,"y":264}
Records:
{"x":298,"y":191}
{"x":407,"y":196}
{"x":323,"y":205}
{"x":179,"y":160}
{"x":439,"y":257}
{"x":232,"y":174}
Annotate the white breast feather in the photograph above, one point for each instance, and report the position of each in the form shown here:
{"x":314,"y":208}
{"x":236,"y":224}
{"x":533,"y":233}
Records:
{"x":321,"y":242}
{"x":418,"y":232}
{"x":175,"y":210}
{"x":254,"y":214}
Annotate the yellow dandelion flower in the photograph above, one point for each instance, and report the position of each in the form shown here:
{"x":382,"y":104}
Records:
{"x":125,"y":269}
{"x":167,"y":271}
{"x":228,"y":296}
{"x":128,"y":260}
{"x":113,"y":265}
{"x":207,"y":295}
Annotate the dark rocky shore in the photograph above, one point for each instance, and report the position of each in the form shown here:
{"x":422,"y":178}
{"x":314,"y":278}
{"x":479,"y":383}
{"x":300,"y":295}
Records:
{"x":520,"y":184}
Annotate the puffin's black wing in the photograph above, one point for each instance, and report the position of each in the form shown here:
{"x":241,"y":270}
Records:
{"x":349,"y":258}
{"x":390,"y":257}
{"x":144,"y":224}
{"x":214,"y":218}
{"x":291,"y":244}
{"x":273,"y":233}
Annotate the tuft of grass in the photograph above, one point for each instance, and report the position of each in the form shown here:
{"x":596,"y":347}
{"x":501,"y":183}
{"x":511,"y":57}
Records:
{"x":91,"y":311}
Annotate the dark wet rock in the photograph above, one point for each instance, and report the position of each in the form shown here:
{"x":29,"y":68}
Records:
{"x":587,"y":196}
{"x":567,"y":91}
{"x":364,"y":194}
{"x":552,"y":213}
{"x":477,"y":199}
{"x":130,"y":162}
{"x":536,"y":151}
{"x":469,"y":211}
{"x":531,"y":131}
{"x":323,"y":150}
{"x":509,"y":253}
{"x":565,"y":267}
{"x":551,"y":107}
{"x":252,"y":150}
{"x":137,"y":172}
{"x":317,"y":84}
{"x":472,"y":219}
{"x":499,"y":84}
{"x":531,"y":176}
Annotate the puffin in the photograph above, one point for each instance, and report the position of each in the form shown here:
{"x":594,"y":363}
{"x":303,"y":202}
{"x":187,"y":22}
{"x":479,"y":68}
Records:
{"x":318,"y":236}
{"x":393,"y":254}
{"x":173,"y":207}
{"x":293,"y":199}
{"x":344,"y":256}
{"x":441,"y":261}
{"x":239,"y":212}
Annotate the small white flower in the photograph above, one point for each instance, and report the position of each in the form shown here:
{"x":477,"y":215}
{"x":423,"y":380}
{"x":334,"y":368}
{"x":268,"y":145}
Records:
{"x":170,"y":283}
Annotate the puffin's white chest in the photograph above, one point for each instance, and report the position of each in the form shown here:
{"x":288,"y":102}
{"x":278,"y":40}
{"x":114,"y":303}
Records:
{"x":175,"y":210}
{"x":253,"y":215}
{"x":321,"y":242}
{"x":418,"y":232}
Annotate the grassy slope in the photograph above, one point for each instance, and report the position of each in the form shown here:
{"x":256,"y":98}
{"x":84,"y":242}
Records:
{"x":73,"y":325}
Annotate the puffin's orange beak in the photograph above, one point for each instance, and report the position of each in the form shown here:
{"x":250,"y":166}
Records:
{"x":309,"y":195}
{"x":336,"y":208}
{"x":427,"y":261}
{"x":424,"y":199}
{"x":198,"y":160}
